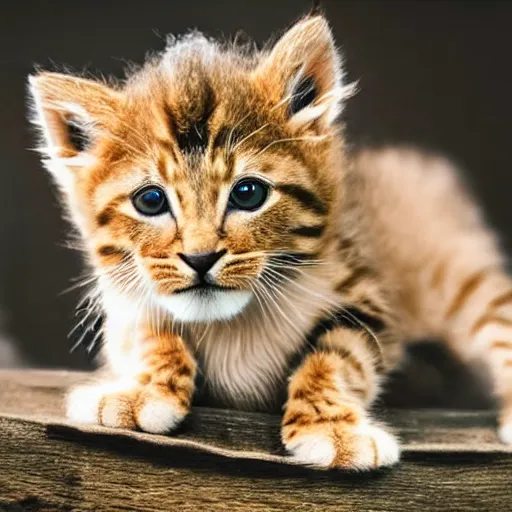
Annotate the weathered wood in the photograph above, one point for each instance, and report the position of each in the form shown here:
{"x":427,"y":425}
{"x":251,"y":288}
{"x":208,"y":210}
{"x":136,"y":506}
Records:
{"x":227,"y":460}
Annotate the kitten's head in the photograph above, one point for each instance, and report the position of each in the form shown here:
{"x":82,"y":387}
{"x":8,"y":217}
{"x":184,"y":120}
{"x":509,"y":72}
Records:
{"x":207,"y":174}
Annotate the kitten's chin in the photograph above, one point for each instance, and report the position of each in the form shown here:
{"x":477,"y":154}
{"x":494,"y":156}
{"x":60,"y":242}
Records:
{"x":195,"y":306}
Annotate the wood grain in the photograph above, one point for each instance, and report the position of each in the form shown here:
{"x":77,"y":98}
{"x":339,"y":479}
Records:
{"x":227,"y":460}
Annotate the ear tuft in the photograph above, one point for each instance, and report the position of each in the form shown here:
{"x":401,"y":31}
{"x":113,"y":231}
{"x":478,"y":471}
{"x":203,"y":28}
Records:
{"x":303,"y":94}
{"x":79,"y":137}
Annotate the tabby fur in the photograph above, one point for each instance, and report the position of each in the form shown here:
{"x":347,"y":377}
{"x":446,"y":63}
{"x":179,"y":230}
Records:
{"x":348,"y":257}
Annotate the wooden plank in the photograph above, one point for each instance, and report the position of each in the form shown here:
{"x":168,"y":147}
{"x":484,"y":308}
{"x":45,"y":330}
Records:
{"x":228,"y":460}
{"x":101,"y":472}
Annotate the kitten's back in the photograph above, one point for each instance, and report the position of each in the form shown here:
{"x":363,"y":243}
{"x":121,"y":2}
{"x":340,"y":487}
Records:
{"x":424,"y":230}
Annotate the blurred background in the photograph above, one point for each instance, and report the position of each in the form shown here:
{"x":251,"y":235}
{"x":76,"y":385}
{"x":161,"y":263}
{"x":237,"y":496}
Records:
{"x":433,"y":73}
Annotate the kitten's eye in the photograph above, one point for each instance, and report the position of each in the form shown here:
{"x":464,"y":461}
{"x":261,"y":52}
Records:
{"x":150,"y":201}
{"x":248,"y":194}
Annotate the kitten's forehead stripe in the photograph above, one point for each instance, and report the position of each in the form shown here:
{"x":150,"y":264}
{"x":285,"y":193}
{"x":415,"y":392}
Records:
{"x":190,"y":122}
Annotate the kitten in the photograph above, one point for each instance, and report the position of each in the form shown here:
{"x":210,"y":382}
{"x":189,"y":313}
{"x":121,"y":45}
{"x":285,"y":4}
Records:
{"x":241,"y":255}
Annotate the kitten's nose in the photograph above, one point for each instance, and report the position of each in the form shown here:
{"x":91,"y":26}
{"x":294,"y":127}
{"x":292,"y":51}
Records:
{"x":201,"y":262}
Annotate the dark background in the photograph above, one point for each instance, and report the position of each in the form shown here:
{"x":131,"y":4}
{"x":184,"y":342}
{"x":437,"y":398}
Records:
{"x":436,"y":74}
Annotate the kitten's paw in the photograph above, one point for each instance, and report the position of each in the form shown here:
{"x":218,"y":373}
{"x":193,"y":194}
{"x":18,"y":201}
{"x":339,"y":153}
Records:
{"x":148,"y":408}
{"x":341,"y":444}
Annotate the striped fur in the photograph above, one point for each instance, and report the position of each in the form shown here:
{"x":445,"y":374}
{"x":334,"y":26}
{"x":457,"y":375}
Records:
{"x":316,"y":288}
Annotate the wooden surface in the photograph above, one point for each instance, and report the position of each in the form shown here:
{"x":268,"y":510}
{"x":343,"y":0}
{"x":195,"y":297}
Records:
{"x":227,"y":460}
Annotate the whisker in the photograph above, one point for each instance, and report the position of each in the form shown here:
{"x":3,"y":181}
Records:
{"x":274,"y":289}
{"x":227,"y":147}
{"x":246,"y":138}
{"x":312,"y":138}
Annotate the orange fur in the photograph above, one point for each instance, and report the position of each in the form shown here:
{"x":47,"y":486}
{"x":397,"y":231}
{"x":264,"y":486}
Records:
{"x":341,"y":256}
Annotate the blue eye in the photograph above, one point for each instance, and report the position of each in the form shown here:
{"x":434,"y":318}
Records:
{"x":248,"y":194}
{"x":150,"y":201}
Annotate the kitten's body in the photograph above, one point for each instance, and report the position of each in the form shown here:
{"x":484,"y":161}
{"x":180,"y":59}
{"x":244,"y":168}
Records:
{"x":322,"y":282}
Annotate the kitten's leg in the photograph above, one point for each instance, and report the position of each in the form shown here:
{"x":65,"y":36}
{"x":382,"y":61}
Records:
{"x":326,"y":422}
{"x":479,"y":318}
{"x":155,"y":398}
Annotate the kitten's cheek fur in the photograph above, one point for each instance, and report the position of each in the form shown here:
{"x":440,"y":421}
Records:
{"x":118,"y":405}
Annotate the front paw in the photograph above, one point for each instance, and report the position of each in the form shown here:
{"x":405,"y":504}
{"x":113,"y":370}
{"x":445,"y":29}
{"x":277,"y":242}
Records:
{"x":149,"y":408}
{"x":344,"y":443}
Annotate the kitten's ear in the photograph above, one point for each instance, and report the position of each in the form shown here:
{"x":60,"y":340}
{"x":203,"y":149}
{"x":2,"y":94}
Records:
{"x":70,"y":112}
{"x":305,"y":68}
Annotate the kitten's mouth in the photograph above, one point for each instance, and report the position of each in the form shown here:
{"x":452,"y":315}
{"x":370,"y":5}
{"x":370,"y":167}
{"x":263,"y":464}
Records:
{"x":203,"y":287}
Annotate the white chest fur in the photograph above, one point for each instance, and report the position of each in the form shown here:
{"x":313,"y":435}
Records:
{"x":246,"y":360}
